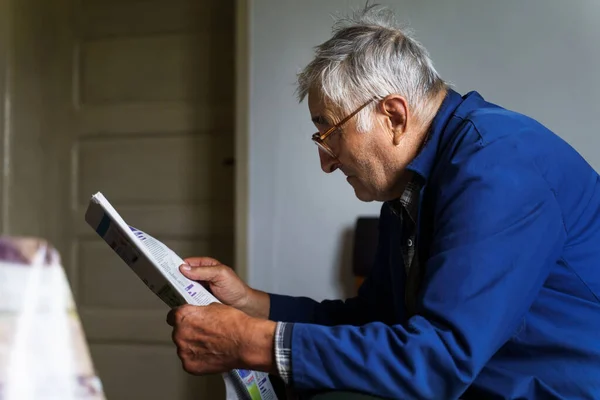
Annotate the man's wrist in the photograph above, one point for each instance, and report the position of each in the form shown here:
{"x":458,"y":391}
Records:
{"x":257,"y":346}
{"x":258,"y":304}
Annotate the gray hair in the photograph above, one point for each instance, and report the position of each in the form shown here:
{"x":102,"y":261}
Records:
{"x":370,"y":56}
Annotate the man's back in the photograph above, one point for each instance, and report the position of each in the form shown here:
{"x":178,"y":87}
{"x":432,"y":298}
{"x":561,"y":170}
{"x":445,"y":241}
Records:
{"x":555,"y":350}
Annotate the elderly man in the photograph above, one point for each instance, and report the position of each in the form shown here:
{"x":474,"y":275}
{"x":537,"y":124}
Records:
{"x":486,"y":282}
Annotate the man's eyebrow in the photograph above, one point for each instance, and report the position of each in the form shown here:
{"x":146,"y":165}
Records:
{"x":320,"y":120}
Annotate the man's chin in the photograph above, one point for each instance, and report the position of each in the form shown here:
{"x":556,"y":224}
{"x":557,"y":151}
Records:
{"x":365,"y":199}
{"x":362,"y":194}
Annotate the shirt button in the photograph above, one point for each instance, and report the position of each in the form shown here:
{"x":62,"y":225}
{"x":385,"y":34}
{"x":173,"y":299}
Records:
{"x":409,"y":243}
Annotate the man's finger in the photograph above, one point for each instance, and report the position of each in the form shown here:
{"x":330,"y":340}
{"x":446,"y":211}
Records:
{"x":177,"y":315}
{"x":171,"y":317}
{"x":206,"y":273}
{"x":201,"y":261}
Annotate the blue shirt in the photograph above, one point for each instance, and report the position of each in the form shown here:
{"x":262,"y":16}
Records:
{"x":508,"y":236}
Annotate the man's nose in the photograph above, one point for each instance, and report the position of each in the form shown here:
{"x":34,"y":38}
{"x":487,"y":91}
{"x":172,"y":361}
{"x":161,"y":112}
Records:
{"x":328,"y":163}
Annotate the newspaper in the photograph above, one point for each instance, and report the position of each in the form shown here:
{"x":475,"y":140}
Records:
{"x":158,"y":267}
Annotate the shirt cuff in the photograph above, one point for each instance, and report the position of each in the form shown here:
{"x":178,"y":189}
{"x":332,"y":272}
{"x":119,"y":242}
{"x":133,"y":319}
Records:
{"x":283,"y":350}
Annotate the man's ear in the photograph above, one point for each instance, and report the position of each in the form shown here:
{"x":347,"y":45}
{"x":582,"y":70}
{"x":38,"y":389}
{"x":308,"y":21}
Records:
{"x":395,"y":108}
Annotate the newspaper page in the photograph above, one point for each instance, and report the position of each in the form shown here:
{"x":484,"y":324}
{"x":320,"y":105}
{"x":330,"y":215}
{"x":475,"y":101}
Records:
{"x":158,"y":267}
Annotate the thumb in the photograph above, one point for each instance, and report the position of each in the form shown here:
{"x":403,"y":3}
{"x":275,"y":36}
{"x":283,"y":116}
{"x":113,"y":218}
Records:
{"x":205,"y":274}
{"x":201,"y":261}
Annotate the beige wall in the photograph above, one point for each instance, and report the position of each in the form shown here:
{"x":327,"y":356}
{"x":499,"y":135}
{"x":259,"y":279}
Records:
{"x":22,"y":157}
{"x":4,"y":50}
{"x":30,"y":165}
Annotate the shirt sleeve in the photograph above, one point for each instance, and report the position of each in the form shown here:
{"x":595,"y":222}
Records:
{"x":283,"y":350}
{"x":498,"y":231}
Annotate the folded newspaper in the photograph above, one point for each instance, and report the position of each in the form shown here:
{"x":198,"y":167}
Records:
{"x":158,"y":267}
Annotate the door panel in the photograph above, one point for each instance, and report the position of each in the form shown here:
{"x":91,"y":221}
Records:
{"x":140,"y":118}
{"x":149,"y":372}
{"x":142,"y":169}
{"x":154,"y":68}
{"x":133,"y":98}
{"x":153,"y":130}
{"x":170,"y":220}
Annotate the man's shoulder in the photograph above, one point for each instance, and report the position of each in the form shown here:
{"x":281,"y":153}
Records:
{"x":492,"y":122}
{"x":478,"y":126}
{"x":491,"y":143}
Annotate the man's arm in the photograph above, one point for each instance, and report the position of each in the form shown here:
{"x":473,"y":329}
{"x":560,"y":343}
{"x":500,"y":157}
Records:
{"x":498,"y":230}
{"x":372,"y":303}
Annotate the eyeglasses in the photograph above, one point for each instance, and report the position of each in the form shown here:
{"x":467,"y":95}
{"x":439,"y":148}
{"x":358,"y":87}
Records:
{"x":319,"y":138}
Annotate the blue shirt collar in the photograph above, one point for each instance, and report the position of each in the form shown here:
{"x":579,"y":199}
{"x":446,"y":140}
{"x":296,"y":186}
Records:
{"x":437,"y":139}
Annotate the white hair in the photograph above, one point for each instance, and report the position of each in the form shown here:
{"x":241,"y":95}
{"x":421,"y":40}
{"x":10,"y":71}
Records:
{"x":370,"y":56}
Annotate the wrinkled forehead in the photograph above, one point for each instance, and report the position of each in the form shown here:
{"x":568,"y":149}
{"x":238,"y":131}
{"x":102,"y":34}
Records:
{"x":316,"y":101}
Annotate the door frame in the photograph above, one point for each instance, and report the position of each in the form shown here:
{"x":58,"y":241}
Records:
{"x":242,"y":130}
{"x":5,"y":127}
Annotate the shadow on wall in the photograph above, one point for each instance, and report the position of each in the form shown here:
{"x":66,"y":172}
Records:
{"x":358,"y":247}
{"x":345,"y":276}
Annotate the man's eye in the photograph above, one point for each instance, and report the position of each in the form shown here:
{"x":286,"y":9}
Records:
{"x":323,"y":128}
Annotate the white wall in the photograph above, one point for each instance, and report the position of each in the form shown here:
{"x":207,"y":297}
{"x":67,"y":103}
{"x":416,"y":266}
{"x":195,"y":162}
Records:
{"x":539,"y":57}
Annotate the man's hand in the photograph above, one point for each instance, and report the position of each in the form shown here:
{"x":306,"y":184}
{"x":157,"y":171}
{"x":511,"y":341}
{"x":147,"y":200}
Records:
{"x":226,"y":286}
{"x":218,"y":338}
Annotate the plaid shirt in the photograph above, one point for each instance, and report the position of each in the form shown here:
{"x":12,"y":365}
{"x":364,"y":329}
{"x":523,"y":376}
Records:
{"x":406,"y":208}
